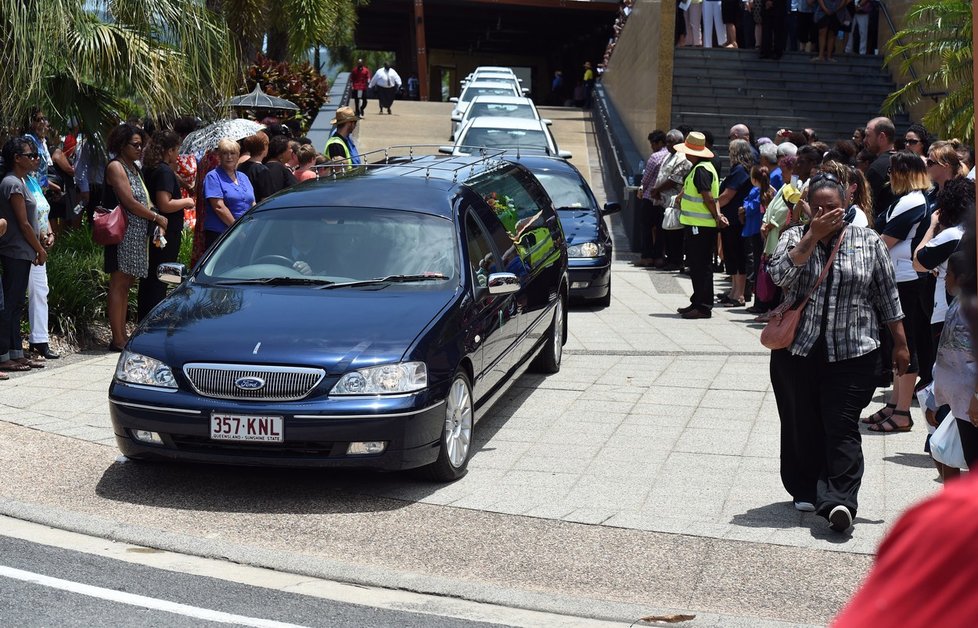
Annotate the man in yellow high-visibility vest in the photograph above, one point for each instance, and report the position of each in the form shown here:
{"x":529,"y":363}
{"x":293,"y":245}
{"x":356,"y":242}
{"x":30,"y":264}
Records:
{"x":699,"y":212}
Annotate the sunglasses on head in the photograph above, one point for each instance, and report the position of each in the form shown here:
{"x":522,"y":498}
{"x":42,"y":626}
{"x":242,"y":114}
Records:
{"x":826,"y":176}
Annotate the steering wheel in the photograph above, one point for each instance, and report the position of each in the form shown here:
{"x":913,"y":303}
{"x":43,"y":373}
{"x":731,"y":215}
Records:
{"x":281,"y":260}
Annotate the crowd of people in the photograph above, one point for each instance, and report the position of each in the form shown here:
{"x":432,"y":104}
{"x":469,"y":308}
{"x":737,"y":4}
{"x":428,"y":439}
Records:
{"x":51,"y":183}
{"x":860,"y":237}
{"x":824,"y":27}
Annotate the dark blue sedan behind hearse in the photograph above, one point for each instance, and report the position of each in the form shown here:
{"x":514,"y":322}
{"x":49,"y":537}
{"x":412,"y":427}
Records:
{"x":364,"y":321}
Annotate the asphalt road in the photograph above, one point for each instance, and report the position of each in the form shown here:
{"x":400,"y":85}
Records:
{"x":49,"y":586}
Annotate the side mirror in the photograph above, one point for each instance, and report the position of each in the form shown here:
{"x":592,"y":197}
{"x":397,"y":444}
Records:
{"x":172,"y":273}
{"x":546,"y":121}
{"x":565,"y":154}
{"x":611,"y":208}
{"x":453,"y":99}
{"x":446,"y":150}
{"x":503,"y":283}
{"x":456,"y":117}
{"x":526,"y":92}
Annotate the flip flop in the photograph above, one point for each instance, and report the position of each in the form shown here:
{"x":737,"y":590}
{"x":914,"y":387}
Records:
{"x":12,"y":366}
{"x":4,"y":377}
{"x":873,"y":420}
{"x":892,"y":424}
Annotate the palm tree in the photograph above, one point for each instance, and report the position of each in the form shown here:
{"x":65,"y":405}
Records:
{"x":937,"y":37}
{"x":97,"y":60}
{"x":292,"y":27}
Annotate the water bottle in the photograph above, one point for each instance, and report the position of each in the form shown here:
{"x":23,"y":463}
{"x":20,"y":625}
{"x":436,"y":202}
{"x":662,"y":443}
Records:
{"x":79,"y":208}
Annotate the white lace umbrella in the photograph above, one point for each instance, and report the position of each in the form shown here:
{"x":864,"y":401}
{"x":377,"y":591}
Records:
{"x":207,"y":138}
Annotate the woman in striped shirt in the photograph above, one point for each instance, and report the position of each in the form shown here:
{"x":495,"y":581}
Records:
{"x":829,"y":373}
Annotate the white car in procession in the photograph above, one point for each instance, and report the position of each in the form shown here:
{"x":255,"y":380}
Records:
{"x":501,"y":77}
{"x":510,"y":134}
{"x":478,"y":88}
{"x":502,"y":107}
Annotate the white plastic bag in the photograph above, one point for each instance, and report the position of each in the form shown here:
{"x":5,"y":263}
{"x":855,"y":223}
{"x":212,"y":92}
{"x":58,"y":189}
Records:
{"x":945,"y":444}
{"x":670,"y":220}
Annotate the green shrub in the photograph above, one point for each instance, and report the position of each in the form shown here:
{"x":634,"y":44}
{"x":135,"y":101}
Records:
{"x":78,"y":287}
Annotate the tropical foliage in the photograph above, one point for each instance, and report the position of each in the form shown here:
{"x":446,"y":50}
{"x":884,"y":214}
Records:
{"x":291,"y":26}
{"x":99,"y":60}
{"x":937,"y":43}
{"x":298,"y":82}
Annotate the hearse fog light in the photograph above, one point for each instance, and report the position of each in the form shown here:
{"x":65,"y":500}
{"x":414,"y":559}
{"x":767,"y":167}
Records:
{"x":147,"y":437}
{"x":383,"y":380}
{"x":585,"y":249}
{"x":366,"y":448}
{"x":134,"y":368}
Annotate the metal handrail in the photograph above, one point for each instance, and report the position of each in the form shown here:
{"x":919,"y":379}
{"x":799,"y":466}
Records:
{"x":913,"y":74}
{"x":608,"y":136}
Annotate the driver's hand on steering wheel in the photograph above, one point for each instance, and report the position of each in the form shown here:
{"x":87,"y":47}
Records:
{"x":302,"y":267}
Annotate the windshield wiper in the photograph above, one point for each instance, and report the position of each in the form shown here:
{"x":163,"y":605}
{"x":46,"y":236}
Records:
{"x":276,"y":281}
{"x":388,"y":279}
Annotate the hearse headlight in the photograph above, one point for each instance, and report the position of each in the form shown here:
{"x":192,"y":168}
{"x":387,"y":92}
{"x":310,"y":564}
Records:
{"x":585,"y":249}
{"x":135,"y":368}
{"x":383,"y":380}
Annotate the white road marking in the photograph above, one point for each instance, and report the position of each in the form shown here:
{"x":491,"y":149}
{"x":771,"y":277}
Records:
{"x":374,"y":597}
{"x":142,"y":601}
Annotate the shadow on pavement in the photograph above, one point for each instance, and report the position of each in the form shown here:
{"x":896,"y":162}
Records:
{"x":919,"y":461}
{"x":219,"y":488}
{"x":783,"y":516}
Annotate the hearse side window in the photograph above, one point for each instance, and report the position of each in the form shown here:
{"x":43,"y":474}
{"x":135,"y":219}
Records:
{"x":518,"y":204}
{"x":482,"y":260}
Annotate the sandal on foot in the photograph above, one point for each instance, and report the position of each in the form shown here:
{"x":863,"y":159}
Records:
{"x":3,"y":376}
{"x":13,"y":365}
{"x":878,"y":416}
{"x":891,"y":425}
{"x":32,"y":364}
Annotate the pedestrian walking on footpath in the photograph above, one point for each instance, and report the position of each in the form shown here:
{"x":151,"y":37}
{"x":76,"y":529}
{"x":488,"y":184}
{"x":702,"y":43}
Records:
{"x":701,"y":216}
{"x":387,"y":82}
{"x":359,"y":81}
{"x":829,"y":372}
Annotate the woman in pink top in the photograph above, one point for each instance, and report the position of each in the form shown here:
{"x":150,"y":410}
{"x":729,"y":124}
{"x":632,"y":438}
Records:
{"x":307,"y":159}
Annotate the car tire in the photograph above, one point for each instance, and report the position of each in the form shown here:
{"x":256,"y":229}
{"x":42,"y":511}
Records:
{"x":548,"y":361}
{"x":456,"y":438}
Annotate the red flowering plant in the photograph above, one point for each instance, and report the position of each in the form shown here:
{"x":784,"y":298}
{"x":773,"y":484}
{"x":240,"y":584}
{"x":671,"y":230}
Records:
{"x":297,"y":82}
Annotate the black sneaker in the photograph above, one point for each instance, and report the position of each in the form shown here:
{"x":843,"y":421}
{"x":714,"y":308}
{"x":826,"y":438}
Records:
{"x":840,"y":519}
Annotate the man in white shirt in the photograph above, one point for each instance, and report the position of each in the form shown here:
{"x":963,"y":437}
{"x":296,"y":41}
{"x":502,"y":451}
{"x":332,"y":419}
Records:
{"x":387,"y":82}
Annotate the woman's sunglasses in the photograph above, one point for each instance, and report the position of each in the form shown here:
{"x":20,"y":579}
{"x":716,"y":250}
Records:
{"x":910,"y":142}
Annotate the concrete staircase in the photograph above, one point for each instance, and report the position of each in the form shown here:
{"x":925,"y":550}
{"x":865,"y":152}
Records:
{"x":714,"y":89}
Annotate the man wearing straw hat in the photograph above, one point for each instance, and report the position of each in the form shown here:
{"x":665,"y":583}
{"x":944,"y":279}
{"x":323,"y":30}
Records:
{"x":340,"y":147}
{"x":698,"y":211}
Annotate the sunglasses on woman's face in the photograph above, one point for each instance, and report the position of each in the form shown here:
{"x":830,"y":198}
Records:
{"x":911,"y":142}
{"x":931,"y":162}
{"x":34,"y":155}
{"x":136,"y":145}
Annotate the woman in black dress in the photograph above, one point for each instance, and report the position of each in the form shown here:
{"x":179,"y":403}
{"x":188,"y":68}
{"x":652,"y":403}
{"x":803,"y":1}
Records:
{"x":163,"y":185}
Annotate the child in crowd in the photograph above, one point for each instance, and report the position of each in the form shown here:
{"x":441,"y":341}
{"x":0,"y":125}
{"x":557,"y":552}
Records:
{"x":751,"y":214}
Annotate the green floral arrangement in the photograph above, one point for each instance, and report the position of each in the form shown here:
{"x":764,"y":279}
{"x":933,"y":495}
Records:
{"x":505,"y":209}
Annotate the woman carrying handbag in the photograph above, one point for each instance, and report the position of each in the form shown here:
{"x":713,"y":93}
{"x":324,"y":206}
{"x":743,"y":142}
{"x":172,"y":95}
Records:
{"x":826,"y":374}
{"x":130,"y":258}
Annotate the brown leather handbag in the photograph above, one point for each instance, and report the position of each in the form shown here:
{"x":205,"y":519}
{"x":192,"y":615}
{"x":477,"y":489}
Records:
{"x":783,"y":324}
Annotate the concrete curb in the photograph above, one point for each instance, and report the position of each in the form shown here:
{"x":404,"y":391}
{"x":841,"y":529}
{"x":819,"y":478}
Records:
{"x":355,"y":574}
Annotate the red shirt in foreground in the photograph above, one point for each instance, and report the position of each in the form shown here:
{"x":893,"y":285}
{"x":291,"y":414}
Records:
{"x":926,"y":570}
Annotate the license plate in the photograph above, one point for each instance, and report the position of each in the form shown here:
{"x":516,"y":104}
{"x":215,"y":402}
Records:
{"x":247,"y":428}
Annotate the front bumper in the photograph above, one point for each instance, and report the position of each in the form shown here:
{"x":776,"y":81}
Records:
{"x":589,"y":278}
{"x":315,"y":433}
